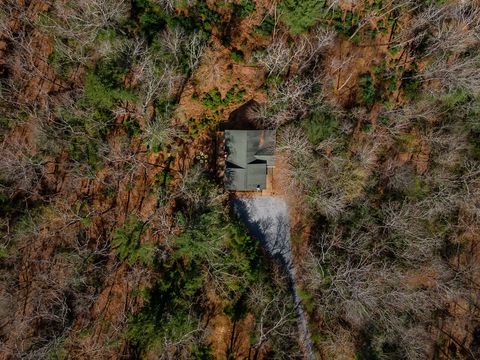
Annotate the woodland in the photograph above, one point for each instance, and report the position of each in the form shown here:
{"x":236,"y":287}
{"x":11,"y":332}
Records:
{"x":118,"y":240}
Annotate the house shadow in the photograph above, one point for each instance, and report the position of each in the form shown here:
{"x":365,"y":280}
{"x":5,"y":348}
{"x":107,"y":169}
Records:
{"x":243,"y":118}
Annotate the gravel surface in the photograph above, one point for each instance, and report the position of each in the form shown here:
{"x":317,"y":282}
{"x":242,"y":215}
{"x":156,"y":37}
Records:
{"x":267,"y":220}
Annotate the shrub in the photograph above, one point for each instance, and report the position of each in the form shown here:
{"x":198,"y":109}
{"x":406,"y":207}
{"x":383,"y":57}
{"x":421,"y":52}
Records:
{"x":111,"y":72}
{"x":213,"y":99}
{"x":368,"y":90}
{"x":266,"y":27}
{"x":149,"y":332}
{"x":127,"y":243}
{"x":320,"y":125}
{"x":244,"y":8}
{"x":82,"y":149}
{"x":132,"y":127}
{"x":344,"y":25}
{"x":300,"y":15}
{"x":410,"y":84}
{"x":151,"y":18}
{"x":201,"y":19}
{"x":237,"y":55}
{"x":103,"y":96}
{"x":205,"y":16}
{"x":202,"y":352}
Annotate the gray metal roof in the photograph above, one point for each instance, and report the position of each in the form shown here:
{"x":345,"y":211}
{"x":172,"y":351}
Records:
{"x":249,"y":152}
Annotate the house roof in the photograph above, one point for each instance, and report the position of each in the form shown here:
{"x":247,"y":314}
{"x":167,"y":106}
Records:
{"x":249,"y":152}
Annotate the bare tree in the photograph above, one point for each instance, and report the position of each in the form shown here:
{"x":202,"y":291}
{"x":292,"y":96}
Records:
{"x":160,"y":76}
{"x":81,"y":22}
{"x":451,"y":28}
{"x":172,"y":5}
{"x":280,"y":56}
{"x":156,"y":81}
{"x":277,"y":57}
{"x":179,"y":44}
{"x":287,"y":102}
{"x":159,"y":132}
{"x":20,"y":168}
{"x":459,"y":74}
{"x":275,"y":319}
{"x":309,"y":49}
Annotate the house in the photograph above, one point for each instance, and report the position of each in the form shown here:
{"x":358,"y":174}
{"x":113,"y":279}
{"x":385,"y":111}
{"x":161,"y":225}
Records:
{"x":249,"y":156}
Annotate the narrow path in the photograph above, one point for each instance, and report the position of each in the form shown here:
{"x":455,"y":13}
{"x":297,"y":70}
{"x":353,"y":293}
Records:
{"x":267,"y":219}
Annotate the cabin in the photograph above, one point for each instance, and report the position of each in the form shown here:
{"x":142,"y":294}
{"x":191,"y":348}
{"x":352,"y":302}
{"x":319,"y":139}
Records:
{"x":249,"y":157}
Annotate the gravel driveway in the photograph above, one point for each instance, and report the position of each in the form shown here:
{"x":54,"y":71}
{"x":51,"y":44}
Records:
{"x":267,"y":220}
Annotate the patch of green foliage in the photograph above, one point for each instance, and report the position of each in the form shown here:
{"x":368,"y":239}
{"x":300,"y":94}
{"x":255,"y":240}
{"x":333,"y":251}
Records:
{"x":205,"y":18}
{"x":450,"y":100}
{"x":410,"y":84}
{"x":213,"y":99}
{"x":58,"y":350}
{"x":320,"y":125}
{"x":132,"y":127}
{"x":60,"y":63}
{"x":104,"y":88}
{"x":385,"y":81}
{"x":211,"y":244}
{"x":406,"y":142}
{"x":237,"y":55}
{"x":127,"y":243}
{"x":155,"y":323}
{"x":90,"y":122}
{"x":195,"y":126}
{"x":374,"y":5}
{"x":394,"y":49}
{"x":347,"y":22}
{"x":3,"y":252}
{"x":6,"y":123}
{"x":244,"y":8}
{"x":368,"y":90}
{"x":112,"y":71}
{"x":344,"y":24}
{"x":82,"y":149}
{"x":202,"y":352}
{"x":418,"y":189}
{"x":267,"y":26}
{"x":6,"y":203}
{"x":152,"y":18}
{"x":89,"y":125}
{"x":300,"y":15}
